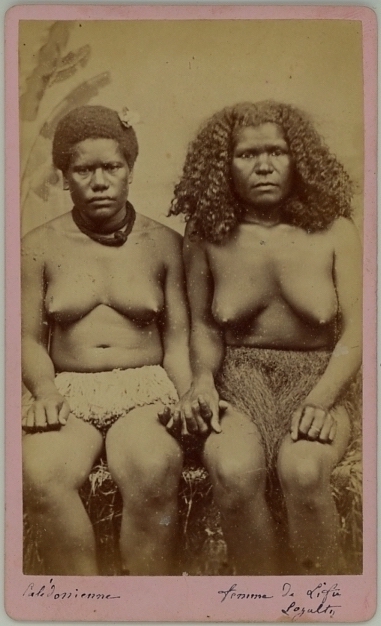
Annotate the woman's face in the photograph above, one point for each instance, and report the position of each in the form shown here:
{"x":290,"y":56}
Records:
{"x":98,"y":178}
{"x":262,"y":166}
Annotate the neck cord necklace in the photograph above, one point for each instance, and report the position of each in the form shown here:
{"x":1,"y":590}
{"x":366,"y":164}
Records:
{"x":260,"y":223}
{"x":116,"y":237}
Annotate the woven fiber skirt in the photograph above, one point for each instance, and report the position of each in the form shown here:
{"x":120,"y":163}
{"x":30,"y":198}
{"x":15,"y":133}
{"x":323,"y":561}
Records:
{"x":101,"y":398}
{"x":268,"y":385}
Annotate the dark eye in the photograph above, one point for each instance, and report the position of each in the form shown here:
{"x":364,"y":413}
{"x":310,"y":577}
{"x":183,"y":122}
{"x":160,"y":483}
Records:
{"x":246,"y":155}
{"x":82,"y":170}
{"x":111,"y":167}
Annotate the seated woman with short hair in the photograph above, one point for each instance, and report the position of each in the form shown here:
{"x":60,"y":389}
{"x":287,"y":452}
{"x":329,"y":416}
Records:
{"x":107,"y":283}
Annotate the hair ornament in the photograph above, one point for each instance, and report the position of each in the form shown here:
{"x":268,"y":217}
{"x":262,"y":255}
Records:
{"x":129,"y":118}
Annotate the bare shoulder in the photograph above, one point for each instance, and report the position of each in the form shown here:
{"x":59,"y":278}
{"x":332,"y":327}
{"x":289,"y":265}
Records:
{"x":40,"y":237}
{"x":345,"y":233}
{"x":162,"y":235}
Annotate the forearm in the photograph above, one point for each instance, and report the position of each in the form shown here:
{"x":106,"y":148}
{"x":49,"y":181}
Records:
{"x":207,"y":353}
{"x":37,"y":369}
{"x":342,"y":367}
{"x":176,"y":364}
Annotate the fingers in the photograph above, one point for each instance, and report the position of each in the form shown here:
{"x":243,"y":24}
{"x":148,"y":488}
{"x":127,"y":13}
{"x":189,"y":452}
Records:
{"x":174,"y":424}
{"x":332,"y":432}
{"x":326,"y":428}
{"x":204,"y":408}
{"x":195,"y":414}
{"x":305,"y":424}
{"x":64,"y":413}
{"x":51,"y":412}
{"x":296,"y":417}
{"x":215,"y":423}
{"x":170,"y":418}
{"x":203,"y":415}
{"x":29,"y":421}
{"x":314,"y":423}
{"x":190,"y":411}
{"x":46,"y":414}
{"x":165,"y":416}
{"x":202,"y":426}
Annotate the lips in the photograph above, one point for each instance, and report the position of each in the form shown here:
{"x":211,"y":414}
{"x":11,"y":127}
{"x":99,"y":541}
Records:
{"x":265,"y":185}
{"x":101,"y":200}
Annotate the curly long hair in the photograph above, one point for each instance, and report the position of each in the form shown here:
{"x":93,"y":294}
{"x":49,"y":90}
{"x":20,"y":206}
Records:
{"x":321,"y":189}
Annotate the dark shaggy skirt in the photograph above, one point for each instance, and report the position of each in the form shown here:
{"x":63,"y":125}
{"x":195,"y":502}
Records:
{"x":268,"y":385}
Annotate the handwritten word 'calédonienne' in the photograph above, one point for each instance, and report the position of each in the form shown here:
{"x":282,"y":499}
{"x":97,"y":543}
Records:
{"x":49,"y":591}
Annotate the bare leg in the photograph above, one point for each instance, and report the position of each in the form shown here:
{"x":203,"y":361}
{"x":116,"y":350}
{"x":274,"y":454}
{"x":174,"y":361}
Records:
{"x":55,"y":465}
{"x":146,"y":462}
{"x":236,"y":464}
{"x":305,"y":469}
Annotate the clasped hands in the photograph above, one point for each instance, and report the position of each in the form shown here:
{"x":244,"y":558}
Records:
{"x":196,"y":413}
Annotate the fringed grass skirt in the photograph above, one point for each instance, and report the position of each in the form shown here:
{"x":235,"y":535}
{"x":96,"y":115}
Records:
{"x":101,"y":398}
{"x":268,"y":385}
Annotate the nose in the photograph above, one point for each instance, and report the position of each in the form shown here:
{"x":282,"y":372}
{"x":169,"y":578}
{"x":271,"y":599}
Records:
{"x":263,"y":163}
{"x":99,"y":180}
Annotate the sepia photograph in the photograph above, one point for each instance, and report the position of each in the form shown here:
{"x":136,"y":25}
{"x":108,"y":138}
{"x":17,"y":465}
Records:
{"x":194,"y":226}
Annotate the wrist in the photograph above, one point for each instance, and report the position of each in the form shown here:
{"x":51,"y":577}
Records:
{"x":317,"y":402}
{"x":45,"y":389}
{"x":204,"y":378}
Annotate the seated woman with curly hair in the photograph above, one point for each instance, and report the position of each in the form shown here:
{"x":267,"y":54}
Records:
{"x":273,"y":265}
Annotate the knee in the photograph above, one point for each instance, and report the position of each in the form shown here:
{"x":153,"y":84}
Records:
{"x":304,"y":479}
{"x":236,"y":481}
{"x":45,"y":483}
{"x":149,"y":481}
{"x":40,"y":489}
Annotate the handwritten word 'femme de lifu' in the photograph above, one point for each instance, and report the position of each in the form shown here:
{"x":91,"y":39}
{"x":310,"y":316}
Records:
{"x":321,"y":599}
{"x":49,"y":591}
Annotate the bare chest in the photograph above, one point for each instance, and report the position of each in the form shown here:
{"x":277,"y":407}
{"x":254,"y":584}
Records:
{"x":253,"y":273}
{"x":81,"y":277}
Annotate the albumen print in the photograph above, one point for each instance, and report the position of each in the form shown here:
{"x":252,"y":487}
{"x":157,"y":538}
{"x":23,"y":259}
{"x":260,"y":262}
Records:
{"x":194,"y":329}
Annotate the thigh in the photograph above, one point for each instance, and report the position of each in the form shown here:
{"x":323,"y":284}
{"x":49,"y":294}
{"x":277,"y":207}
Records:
{"x":238,"y":449}
{"x":64,"y":456}
{"x":304,"y":458}
{"x":138,"y":444}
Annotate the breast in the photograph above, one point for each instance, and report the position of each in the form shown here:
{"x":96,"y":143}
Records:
{"x":228,"y":313}
{"x":235,"y":303}
{"x":67,"y":306}
{"x":309,"y":291}
{"x":304,"y":290}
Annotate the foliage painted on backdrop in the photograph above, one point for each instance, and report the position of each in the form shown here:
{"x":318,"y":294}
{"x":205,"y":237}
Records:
{"x":53,"y":65}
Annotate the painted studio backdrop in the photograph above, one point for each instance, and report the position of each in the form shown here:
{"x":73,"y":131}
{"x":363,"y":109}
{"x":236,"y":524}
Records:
{"x":175,"y":74}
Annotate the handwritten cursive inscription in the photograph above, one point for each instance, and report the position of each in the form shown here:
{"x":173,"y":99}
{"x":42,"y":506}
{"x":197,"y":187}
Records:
{"x":49,"y":591}
{"x":295,"y":603}
{"x":317,"y":601}
{"x":234,"y":593}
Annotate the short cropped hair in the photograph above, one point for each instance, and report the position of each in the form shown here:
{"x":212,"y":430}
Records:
{"x":92,"y":122}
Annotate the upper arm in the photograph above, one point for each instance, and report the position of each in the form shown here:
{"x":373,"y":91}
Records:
{"x":176,"y":318}
{"x":348,"y":273}
{"x":33,"y":318}
{"x":200,"y":284}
